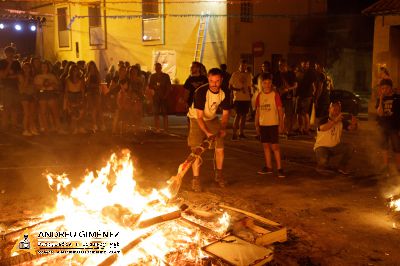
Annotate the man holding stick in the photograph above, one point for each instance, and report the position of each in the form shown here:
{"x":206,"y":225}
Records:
{"x":204,"y":123}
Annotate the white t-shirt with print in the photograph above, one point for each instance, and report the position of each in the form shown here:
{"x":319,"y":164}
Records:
{"x":329,"y":138}
{"x":208,"y":101}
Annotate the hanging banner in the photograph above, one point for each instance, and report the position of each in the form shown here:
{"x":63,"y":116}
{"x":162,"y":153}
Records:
{"x":167,"y":59}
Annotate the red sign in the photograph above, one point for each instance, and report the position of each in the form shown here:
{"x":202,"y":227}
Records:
{"x":258,"y":49}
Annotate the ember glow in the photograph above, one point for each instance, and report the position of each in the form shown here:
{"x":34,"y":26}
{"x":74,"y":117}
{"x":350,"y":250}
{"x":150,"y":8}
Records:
{"x":110,"y":201}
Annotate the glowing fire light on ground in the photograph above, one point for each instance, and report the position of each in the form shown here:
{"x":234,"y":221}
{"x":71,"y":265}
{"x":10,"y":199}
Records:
{"x":110,"y":200}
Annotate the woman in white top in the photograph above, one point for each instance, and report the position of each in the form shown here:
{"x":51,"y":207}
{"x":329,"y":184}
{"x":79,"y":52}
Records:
{"x":46,"y":84}
{"x":27,"y":96}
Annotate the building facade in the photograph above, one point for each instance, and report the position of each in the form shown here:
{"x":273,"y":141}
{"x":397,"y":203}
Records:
{"x":386,"y":48}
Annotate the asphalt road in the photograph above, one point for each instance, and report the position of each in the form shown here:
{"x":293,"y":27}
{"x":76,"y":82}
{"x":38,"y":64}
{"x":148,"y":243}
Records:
{"x":332,"y":220}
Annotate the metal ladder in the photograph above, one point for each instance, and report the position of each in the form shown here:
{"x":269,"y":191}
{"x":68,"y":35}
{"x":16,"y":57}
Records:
{"x":201,"y":36}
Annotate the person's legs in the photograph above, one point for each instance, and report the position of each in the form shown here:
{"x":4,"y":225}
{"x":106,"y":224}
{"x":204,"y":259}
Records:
{"x":236,"y":121}
{"x":195,"y":138}
{"x":219,"y":158}
{"x":277,"y":153}
{"x":31,"y":119}
{"x":344,"y":152}
{"x":267,"y":155}
{"x":25,"y":120}
{"x":43,"y":115}
{"x":53,"y":104}
{"x":156,"y":112}
{"x":322,"y":157}
{"x":165,"y":122}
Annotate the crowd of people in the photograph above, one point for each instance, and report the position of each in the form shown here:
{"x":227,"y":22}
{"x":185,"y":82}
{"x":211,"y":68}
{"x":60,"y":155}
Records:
{"x":71,"y":98}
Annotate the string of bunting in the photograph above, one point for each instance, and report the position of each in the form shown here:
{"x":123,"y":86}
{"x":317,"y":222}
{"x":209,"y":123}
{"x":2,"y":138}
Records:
{"x":229,"y":2}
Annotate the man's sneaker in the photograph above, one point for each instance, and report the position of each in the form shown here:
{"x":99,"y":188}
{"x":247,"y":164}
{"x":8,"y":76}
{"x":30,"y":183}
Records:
{"x":242,"y":136}
{"x":281,"y":174}
{"x":234,"y":137}
{"x":196,"y":184}
{"x":265,"y":171}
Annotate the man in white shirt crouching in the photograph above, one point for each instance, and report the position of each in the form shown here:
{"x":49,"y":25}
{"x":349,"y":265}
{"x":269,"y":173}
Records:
{"x":328,"y":143}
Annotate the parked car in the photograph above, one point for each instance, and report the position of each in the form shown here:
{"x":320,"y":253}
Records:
{"x":351,"y":103}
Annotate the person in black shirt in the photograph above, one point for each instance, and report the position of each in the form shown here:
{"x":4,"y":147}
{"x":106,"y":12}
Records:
{"x":388,"y":110}
{"x":160,"y":84}
{"x":285,"y":82}
{"x":305,"y":93}
{"x":194,"y":81}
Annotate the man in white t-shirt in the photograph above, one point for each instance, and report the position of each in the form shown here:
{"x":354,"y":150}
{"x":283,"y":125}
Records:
{"x":328,"y":143}
{"x":204,"y":123}
{"x":241,"y":84}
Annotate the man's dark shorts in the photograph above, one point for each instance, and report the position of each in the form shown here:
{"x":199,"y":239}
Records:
{"x":288,"y":107}
{"x":269,"y":134}
{"x":241,"y":107}
{"x":391,"y":139}
{"x":304,"y":105}
{"x":160,"y":106}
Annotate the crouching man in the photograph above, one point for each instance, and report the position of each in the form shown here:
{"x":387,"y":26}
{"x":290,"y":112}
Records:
{"x":328,"y":143}
{"x":204,"y":123}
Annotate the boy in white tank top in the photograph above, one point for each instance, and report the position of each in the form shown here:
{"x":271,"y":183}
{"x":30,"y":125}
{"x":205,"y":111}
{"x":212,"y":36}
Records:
{"x":269,"y":123}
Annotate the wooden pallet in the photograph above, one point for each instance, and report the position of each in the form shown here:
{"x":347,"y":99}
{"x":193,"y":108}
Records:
{"x":268,"y":231}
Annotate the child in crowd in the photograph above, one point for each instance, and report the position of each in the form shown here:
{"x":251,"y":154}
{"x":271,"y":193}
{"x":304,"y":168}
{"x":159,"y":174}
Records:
{"x":269,"y":123}
{"x":388,"y":110}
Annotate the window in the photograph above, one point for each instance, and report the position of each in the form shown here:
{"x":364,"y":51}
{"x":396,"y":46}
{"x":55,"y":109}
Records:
{"x":152,"y":21}
{"x":96,"y":31}
{"x":246,"y":11}
{"x":94,"y":16}
{"x":63,"y":32}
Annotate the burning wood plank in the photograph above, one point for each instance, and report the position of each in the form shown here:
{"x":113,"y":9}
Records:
{"x":163,"y":218}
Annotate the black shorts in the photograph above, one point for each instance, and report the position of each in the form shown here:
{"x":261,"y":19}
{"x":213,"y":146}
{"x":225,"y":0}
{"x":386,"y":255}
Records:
{"x":391,"y":139}
{"x":160,"y":106}
{"x":288,"y":107}
{"x":241,"y":107}
{"x":304,"y":105}
{"x":269,"y":134}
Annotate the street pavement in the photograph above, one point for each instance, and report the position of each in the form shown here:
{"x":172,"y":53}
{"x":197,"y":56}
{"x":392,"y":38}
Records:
{"x":332,"y":220}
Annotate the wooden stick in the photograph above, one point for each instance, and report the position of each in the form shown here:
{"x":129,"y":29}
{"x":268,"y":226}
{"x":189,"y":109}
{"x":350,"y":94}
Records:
{"x":11,"y":235}
{"x":252,"y":215}
{"x":174,"y":183}
{"x":201,"y":227}
{"x":160,"y":219}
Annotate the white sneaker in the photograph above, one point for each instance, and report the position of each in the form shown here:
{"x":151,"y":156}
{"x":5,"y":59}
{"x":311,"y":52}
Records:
{"x":26,"y":133}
